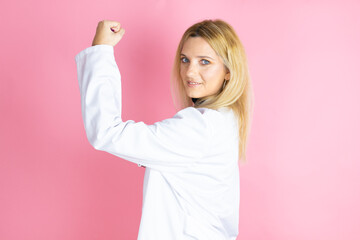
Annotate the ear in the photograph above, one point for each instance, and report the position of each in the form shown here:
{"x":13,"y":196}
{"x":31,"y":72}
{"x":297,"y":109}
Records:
{"x":227,"y":76}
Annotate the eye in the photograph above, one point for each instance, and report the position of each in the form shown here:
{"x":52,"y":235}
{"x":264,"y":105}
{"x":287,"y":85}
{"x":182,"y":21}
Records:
{"x":184,"y":60}
{"x":205,"y":62}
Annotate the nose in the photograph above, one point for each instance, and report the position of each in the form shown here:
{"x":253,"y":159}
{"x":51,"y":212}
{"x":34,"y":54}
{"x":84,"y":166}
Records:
{"x":191,"y":71}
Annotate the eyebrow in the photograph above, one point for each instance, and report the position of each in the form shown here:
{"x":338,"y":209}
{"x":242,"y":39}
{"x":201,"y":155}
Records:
{"x":200,"y":56}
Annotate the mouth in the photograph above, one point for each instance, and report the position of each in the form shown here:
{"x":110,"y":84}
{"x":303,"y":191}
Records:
{"x":193,"y":84}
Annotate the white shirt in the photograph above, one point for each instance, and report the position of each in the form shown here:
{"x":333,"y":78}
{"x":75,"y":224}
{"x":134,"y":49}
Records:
{"x":191,"y":183}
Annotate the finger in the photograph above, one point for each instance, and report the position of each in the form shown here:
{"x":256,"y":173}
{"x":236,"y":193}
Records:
{"x":121,"y":32}
{"x":116,"y":29}
{"x":112,"y":24}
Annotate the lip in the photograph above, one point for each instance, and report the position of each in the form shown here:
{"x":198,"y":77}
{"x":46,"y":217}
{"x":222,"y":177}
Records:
{"x":193,"y":85}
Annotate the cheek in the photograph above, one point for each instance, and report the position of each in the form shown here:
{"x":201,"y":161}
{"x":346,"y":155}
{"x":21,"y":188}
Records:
{"x":213,"y":75}
{"x":182,"y":72}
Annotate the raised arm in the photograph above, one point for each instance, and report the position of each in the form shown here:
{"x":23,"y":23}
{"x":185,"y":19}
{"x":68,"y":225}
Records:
{"x":172,"y":144}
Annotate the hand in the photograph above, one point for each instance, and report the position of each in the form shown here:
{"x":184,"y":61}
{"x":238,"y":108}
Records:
{"x":108,"y":33}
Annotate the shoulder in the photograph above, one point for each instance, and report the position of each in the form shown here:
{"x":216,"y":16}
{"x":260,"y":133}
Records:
{"x":192,"y":121}
{"x":198,"y":113}
{"x":202,"y":118}
{"x":210,"y":119}
{"x":201,"y":114}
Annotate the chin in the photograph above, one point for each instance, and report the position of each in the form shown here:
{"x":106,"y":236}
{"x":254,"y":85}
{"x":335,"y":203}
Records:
{"x":194,"y":96}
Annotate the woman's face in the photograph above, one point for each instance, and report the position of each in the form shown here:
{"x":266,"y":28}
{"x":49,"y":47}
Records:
{"x":200,"y":64}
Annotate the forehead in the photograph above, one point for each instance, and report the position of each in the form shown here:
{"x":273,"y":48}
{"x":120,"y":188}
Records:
{"x":196,"y":46}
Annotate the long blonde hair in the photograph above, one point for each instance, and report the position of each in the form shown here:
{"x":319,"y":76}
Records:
{"x":236,"y":93}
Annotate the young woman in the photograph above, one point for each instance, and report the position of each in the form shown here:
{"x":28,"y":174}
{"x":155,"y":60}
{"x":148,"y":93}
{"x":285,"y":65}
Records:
{"x":191,"y":182}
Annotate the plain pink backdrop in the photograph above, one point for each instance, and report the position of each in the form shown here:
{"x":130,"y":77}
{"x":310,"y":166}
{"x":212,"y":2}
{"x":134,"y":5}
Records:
{"x":302,"y":181}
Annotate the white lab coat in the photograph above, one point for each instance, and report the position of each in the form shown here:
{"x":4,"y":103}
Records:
{"x":191,"y":183}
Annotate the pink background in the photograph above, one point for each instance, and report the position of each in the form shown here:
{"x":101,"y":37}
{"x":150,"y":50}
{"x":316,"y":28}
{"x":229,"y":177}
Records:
{"x":303,"y":177}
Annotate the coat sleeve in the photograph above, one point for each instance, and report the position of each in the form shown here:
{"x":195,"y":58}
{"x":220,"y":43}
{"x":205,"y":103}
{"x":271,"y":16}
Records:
{"x":175,"y":142}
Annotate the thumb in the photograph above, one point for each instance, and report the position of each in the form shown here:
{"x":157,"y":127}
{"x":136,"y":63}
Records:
{"x":120,"y":32}
{"x":115,"y":27}
{"x":118,"y":36}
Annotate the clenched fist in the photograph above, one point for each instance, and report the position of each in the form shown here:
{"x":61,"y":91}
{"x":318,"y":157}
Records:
{"x":108,"y":33}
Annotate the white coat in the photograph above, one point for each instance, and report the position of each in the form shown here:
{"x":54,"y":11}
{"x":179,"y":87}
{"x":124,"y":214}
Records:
{"x":191,"y":184}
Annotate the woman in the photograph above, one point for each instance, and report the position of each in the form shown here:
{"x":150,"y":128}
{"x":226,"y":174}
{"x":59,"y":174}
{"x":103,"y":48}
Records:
{"x":191,"y":182}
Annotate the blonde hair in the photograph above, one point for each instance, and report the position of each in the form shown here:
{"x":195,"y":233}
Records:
{"x":237,"y":92}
